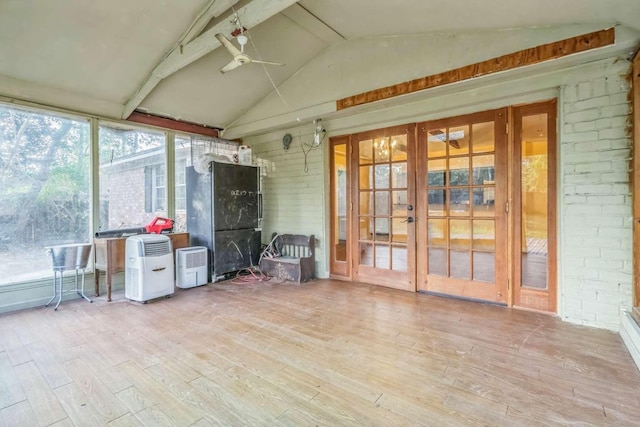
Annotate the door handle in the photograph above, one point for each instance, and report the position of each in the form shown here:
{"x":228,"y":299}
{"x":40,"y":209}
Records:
{"x":409,"y":220}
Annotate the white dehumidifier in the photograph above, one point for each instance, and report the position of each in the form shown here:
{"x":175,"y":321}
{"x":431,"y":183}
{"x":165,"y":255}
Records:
{"x":191,"y":267}
{"x":149,"y":267}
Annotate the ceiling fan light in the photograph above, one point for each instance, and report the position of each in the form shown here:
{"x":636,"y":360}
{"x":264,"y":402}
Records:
{"x":242,"y":39}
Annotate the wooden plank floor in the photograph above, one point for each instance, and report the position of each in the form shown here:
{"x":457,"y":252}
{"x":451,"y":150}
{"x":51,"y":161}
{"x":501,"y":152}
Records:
{"x":325,"y":353}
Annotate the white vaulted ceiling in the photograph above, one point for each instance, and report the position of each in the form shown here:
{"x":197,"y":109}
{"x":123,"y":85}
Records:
{"x":160,"y":57}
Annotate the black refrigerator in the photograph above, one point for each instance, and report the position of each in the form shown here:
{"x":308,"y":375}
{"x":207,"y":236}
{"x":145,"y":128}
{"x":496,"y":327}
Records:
{"x":223,"y":214}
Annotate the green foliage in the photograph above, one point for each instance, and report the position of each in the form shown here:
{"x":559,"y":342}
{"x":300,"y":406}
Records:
{"x":534,"y":173}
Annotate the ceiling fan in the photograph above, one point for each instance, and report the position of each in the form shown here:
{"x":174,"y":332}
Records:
{"x":239,"y":57}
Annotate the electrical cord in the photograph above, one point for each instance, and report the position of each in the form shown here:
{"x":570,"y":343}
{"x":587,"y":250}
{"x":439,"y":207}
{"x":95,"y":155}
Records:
{"x":253,"y":274}
{"x":249,"y":275}
{"x":310,"y":147}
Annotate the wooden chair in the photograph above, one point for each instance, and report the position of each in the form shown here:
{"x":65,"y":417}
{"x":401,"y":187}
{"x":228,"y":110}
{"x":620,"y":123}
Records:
{"x":294,"y":258}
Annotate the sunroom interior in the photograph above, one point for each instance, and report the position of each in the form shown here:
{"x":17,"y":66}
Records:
{"x":473,"y":158}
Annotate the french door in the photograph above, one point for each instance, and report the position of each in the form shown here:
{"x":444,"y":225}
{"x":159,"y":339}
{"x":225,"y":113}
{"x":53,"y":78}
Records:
{"x":383,"y":220}
{"x":462,"y":197}
{"x":463,"y":206}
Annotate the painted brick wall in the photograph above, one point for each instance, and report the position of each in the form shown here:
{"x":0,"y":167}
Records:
{"x":595,"y":277}
{"x":293,"y":199}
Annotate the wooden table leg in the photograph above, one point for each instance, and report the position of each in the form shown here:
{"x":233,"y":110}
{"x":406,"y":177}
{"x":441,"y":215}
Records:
{"x":108,"y":280}
{"x":96,"y":279}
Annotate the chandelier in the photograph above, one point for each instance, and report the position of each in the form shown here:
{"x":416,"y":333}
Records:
{"x":383,"y":147}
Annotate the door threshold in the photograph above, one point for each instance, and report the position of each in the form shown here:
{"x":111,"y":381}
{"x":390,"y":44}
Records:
{"x":458,"y":297}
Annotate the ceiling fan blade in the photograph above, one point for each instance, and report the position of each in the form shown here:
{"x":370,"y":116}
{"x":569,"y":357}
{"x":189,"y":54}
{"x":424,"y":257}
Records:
{"x":267,"y":62}
{"x":230,"y":66}
{"x":226,"y":43}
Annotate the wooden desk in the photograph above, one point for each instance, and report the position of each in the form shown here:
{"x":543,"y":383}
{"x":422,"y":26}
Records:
{"x":109,"y":256}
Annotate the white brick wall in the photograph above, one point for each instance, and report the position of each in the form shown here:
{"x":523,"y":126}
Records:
{"x":595,"y":277}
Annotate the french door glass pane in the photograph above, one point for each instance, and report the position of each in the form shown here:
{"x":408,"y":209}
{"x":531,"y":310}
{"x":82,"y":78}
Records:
{"x":399,"y":148}
{"x":399,"y":258}
{"x":483,"y":169}
{"x":459,"y":171}
{"x":459,"y":234}
{"x":483,"y":137}
{"x":459,"y":202}
{"x":366,"y":151}
{"x":382,"y":150}
{"x":382,"y":176}
{"x":399,"y":175}
{"x":383,"y":257}
{"x":438,"y":261}
{"x":484,"y":266}
{"x":436,"y":171}
{"x":534,"y":164}
{"x":382,"y":229}
{"x":399,"y":228}
{"x":381,"y":200}
{"x":340,"y":202}
{"x":366,"y":254}
{"x":459,"y":265}
{"x":484,"y":235}
{"x":436,"y":202}
{"x":436,"y":231}
{"x":366,"y":177}
{"x":366,"y":227}
{"x":436,"y":143}
{"x":458,"y":140}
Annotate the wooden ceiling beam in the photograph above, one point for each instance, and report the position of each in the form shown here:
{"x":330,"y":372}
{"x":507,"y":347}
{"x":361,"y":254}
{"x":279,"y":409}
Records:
{"x":311,"y":23}
{"x":167,"y":123}
{"x":182,"y":55}
{"x":511,"y":61}
{"x":212,"y":10}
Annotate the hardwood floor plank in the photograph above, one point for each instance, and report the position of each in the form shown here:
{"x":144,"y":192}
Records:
{"x":77,"y":406}
{"x":19,"y":414}
{"x":64,"y":423}
{"x":11,"y":391}
{"x":92,"y":361}
{"x":153,"y":416}
{"x":52,"y":371}
{"x":85,"y":378}
{"x":151,"y":390}
{"x":426,"y":412}
{"x":226,"y":399}
{"x":133,"y":399}
{"x":127,"y":420}
{"x":15,"y":349}
{"x":44,"y":403}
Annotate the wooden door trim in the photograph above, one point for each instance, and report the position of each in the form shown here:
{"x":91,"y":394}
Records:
{"x":339,"y":269}
{"x":545,"y":107}
{"x":635,"y":85}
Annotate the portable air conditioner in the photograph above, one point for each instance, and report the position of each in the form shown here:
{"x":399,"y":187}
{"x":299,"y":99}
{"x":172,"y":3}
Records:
{"x":149,"y":267}
{"x":191,"y":267}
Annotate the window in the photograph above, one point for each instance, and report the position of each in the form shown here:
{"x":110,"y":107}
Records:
{"x":181,"y":190}
{"x":155,"y":189}
{"x":132,"y":176}
{"x":44,"y":189}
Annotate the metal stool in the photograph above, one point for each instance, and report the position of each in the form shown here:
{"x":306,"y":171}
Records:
{"x":68,"y":257}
